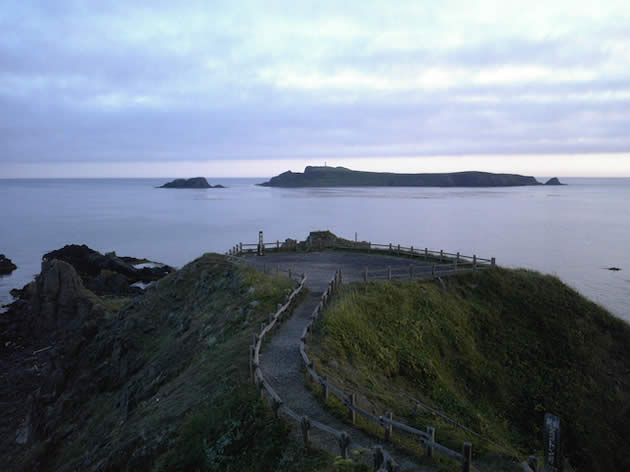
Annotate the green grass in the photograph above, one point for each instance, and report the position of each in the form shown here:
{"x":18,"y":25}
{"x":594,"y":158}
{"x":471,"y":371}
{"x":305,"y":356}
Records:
{"x":495,"y":350}
{"x":163,"y":385}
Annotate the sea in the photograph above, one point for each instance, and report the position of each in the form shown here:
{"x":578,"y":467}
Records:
{"x":576,"y":232}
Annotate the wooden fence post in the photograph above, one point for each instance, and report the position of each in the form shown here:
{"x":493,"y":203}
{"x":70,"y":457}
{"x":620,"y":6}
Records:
{"x":306,"y":431}
{"x":426,"y":254}
{"x":251,"y":363}
{"x":379,"y":457}
{"x":441,"y":255}
{"x":325,"y":387}
{"x":344,"y":443}
{"x":277,"y":245}
{"x":398,"y":250}
{"x":353,"y":414}
{"x":467,"y":453}
{"x":431,"y":433}
{"x":433,"y":270}
{"x":261,"y":390}
{"x":457,"y":258}
{"x":388,"y":427}
{"x":240,"y":246}
{"x":493,"y":262}
{"x":390,"y":247}
{"x":340,"y":277}
{"x":411,"y":250}
{"x":474,"y":262}
{"x":532,"y":462}
{"x":276,"y":404}
{"x":369,"y":246}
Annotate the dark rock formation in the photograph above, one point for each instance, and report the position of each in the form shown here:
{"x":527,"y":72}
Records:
{"x":44,"y":330}
{"x":342,"y":177}
{"x":91,"y":388}
{"x":59,"y":299}
{"x":554,"y":181}
{"x":616,"y":269}
{"x":195,"y":182}
{"x":107,"y":274}
{"x":6,"y":265}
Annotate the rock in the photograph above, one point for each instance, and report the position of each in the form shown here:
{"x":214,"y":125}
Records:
{"x":108,"y":274}
{"x":195,"y":182}
{"x":59,"y":298}
{"x":289,"y":243}
{"x":6,"y":265}
{"x":554,"y":181}
{"x":321,"y":239}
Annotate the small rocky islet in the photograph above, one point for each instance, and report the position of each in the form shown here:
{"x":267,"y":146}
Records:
{"x":195,"y":182}
{"x":6,"y":265}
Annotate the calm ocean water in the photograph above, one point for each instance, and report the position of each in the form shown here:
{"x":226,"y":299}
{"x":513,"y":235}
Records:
{"x":574,"y":231}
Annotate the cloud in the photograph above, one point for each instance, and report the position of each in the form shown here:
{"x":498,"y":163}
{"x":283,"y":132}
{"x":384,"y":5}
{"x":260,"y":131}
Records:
{"x":159,"y":81}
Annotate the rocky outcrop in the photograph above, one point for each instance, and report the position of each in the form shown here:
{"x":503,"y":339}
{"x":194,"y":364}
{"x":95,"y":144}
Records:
{"x":100,"y":389}
{"x":59,"y":299}
{"x":342,"y":177}
{"x":43,"y":333}
{"x":6,"y":265}
{"x":195,"y":182}
{"x":554,"y":181}
{"x":108,"y":274}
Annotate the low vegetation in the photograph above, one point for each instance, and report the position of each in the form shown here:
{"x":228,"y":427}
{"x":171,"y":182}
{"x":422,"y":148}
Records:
{"x":493,"y":350}
{"x":163,"y":384}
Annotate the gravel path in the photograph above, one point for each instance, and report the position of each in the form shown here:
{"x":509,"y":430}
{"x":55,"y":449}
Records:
{"x":280,"y":359}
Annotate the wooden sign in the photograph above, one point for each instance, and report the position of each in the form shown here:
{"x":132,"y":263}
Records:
{"x":552,"y":444}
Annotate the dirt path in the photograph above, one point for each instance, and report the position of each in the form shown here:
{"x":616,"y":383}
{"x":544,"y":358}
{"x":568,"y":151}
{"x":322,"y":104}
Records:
{"x":280,"y":359}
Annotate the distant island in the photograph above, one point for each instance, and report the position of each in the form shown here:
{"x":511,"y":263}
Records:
{"x":6,"y":265}
{"x":195,"y":182}
{"x":343,"y":177}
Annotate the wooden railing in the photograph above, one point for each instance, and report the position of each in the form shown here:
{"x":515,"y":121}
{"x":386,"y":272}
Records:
{"x":349,"y":399}
{"x":381,"y":457}
{"x":434,"y":263}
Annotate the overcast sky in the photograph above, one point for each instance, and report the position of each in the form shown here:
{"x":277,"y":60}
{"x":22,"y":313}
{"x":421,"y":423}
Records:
{"x":165,"y":87}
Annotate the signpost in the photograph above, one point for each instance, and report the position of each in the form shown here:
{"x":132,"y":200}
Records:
{"x":261,"y":246}
{"x":552,"y":444}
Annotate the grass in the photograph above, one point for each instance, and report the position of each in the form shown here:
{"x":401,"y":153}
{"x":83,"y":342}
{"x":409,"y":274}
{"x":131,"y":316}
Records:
{"x":163,"y":385}
{"x":494,"y":350}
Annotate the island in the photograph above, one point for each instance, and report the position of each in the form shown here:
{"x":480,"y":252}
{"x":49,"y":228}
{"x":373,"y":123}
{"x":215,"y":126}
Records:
{"x":195,"y":182}
{"x":6,"y":265}
{"x":317,"y":176}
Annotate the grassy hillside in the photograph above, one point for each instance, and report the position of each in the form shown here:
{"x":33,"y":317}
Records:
{"x":494,"y":350}
{"x":162,"y":384}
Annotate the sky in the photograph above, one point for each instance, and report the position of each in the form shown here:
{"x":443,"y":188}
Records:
{"x":252,"y":88}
